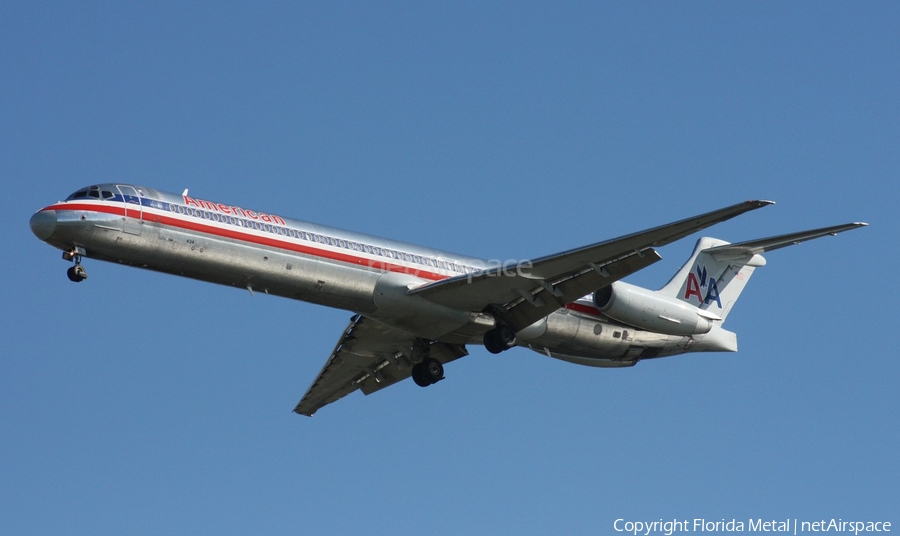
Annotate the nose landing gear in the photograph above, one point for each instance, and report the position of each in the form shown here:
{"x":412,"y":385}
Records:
{"x":76,"y":273}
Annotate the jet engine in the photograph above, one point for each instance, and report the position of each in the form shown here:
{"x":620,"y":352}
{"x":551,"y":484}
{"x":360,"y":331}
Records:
{"x":651,"y":310}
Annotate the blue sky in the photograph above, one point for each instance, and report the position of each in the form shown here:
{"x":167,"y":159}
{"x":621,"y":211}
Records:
{"x":143,"y":403}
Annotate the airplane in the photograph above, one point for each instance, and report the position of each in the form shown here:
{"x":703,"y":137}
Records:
{"x":415,"y":309}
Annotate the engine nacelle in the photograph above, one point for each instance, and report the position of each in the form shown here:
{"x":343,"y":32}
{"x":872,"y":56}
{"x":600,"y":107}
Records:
{"x":652,"y":311}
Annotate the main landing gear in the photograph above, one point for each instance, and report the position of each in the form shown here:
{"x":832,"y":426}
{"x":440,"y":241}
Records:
{"x":499,"y":339}
{"x":76,"y":273}
{"x":427,"y":372}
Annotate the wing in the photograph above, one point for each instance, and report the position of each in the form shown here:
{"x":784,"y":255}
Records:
{"x":523,"y":293}
{"x":369,"y":356}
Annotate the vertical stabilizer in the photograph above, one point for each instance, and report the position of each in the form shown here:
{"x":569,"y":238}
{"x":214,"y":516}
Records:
{"x":711,"y":280}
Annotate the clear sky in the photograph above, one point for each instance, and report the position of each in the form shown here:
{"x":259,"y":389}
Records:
{"x":142,"y":403}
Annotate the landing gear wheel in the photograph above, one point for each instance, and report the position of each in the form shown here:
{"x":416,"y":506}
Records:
{"x":418,"y":376}
{"x":499,"y":339}
{"x":76,"y":273}
{"x":428,"y":372}
{"x":434,"y":370}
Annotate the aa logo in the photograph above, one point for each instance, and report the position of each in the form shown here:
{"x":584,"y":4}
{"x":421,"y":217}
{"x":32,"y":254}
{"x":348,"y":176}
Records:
{"x":697,"y":283}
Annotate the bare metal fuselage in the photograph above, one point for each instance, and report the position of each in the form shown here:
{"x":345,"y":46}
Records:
{"x":246,"y":249}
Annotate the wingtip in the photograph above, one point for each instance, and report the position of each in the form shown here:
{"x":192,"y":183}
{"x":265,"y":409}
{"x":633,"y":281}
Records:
{"x":762,"y":202}
{"x":852,"y":225}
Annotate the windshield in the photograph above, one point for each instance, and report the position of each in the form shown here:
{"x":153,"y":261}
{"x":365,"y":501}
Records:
{"x":93,"y":192}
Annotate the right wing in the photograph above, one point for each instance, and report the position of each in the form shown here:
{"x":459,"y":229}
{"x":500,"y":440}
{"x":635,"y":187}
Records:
{"x":369,"y":356}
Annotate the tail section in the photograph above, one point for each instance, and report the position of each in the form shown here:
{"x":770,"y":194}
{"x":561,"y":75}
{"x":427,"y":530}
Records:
{"x":710,"y":280}
{"x":717,"y":272}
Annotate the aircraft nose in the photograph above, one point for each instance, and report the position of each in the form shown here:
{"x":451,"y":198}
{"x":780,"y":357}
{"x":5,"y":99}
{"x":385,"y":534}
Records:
{"x":43,"y":224}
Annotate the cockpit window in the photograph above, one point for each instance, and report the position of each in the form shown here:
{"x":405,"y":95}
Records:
{"x":93,"y":192}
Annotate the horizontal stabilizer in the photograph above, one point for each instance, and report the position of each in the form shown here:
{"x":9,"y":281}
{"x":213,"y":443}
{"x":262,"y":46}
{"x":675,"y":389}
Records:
{"x":717,"y":272}
{"x":754,"y":247}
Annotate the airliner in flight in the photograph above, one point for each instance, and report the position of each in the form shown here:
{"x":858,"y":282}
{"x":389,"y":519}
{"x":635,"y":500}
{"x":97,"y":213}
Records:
{"x":416,"y":308}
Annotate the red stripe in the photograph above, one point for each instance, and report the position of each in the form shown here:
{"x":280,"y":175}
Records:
{"x":253,"y":239}
{"x":584,"y":308}
{"x":90,"y":208}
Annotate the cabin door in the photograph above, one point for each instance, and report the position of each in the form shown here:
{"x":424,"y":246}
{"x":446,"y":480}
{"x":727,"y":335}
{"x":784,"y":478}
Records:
{"x":134,"y":212}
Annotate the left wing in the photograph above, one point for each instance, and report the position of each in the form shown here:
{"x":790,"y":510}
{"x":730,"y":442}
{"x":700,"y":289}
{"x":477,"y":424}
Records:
{"x":522,"y":294}
{"x":369,"y":356}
